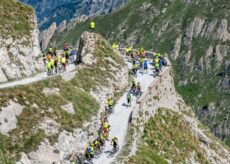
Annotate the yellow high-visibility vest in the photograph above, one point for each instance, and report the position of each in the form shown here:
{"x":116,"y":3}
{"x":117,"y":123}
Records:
{"x":92,"y":25}
{"x":63,"y":60}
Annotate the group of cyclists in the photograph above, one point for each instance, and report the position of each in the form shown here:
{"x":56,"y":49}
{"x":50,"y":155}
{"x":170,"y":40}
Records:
{"x":95,"y":148}
{"x":56,"y":62}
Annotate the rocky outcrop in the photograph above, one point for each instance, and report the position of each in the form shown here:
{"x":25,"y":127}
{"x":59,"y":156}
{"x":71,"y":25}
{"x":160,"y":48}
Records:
{"x":46,"y":35}
{"x":20,"y":57}
{"x":68,"y":108}
{"x":8,"y":116}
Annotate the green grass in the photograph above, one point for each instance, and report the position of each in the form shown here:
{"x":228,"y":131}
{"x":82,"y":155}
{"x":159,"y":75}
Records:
{"x":163,"y":139}
{"x":16,"y":19}
{"x":27,"y":136}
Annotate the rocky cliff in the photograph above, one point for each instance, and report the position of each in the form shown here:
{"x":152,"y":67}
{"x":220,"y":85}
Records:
{"x":19,"y":46}
{"x":195,"y":36}
{"x":64,"y":113}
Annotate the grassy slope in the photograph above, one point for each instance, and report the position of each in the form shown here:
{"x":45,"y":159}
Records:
{"x":75,"y":91}
{"x":130,"y":21}
{"x":16,"y":19}
{"x":162,"y":139}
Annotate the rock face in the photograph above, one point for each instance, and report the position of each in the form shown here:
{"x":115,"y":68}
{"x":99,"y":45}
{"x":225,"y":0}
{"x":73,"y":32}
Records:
{"x":20,"y":57}
{"x":8,"y":114}
{"x":46,"y":35}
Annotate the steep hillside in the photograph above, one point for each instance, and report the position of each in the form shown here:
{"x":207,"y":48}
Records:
{"x":163,"y":129}
{"x":47,"y":121}
{"x":19,"y":47}
{"x":194,"y":34}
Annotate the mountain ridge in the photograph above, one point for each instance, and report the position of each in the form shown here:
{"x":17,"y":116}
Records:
{"x":195,"y":40}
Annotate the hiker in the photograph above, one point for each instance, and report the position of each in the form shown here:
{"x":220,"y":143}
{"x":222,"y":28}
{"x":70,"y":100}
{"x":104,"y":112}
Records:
{"x":49,"y":67}
{"x":44,"y":57}
{"x":143,"y":54}
{"x":129,"y":99}
{"x":51,"y":52}
{"x":115,"y":46}
{"x":63,"y":62}
{"x":138,"y":90}
{"x":73,"y":54}
{"x":92,"y":26}
{"x":110,"y":102}
{"x":133,"y":87}
{"x":157,"y":68}
{"x":106,"y":129}
{"x":66,"y":52}
{"x":55,"y":63}
{"x":134,"y":69}
{"x":90,"y":151}
{"x":141,"y":63}
{"x":114,"y":142}
{"x":145,"y":65}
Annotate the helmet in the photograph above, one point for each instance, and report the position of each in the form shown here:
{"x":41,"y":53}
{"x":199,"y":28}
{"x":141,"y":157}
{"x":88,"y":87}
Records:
{"x":92,"y":144}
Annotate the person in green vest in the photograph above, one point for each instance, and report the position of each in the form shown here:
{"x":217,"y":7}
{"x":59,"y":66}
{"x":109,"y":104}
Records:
{"x":49,"y":67}
{"x":114,"y":46}
{"x":92,"y":25}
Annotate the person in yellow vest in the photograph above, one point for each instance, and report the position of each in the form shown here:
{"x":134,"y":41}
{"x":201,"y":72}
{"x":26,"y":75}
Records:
{"x":156,"y":65}
{"x":92,"y":25}
{"x":114,"y":46}
{"x":55,"y":63}
{"x":134,"y":69}
{"x":63,"y":61}
{"x":110,"y":102}
{"x":49,"y":67}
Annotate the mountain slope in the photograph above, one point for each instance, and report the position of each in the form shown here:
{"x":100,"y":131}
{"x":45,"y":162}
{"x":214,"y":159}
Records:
{"x":163,"y":129}
{"x":19,"y":47}
{"x":194,"y":34}
{"x":39,"y":121}
{"x":49,"y":11}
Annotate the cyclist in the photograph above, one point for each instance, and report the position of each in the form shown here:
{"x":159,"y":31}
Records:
{"x":129,"y":99}
{"x":110,"y":102}
{"x":114,"y":142}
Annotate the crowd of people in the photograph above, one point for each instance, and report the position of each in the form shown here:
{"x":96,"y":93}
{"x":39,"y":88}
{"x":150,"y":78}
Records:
{"x":57,"y":62}
{"x":138,"y":57}
{"x":96,"y":147}
{"x":139,"y":60}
